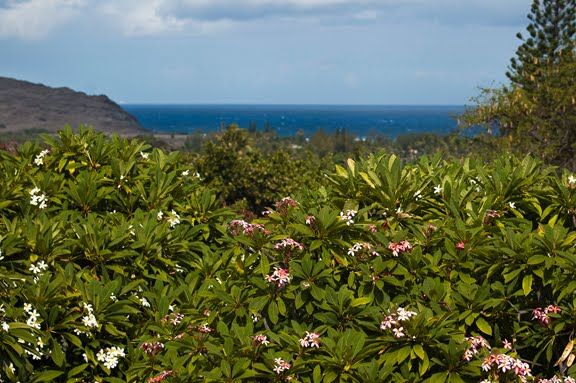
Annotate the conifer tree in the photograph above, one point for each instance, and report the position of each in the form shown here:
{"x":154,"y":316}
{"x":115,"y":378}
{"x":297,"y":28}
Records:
{"x":552,"y":33}
{"x":536,"y":112}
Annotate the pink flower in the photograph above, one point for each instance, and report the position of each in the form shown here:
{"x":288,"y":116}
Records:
{"x":261,"y":339}
{"x":163,"y":375}
{"x":279,"y":276}
{"x":460,"y":245}
{"x":312,"y":339}
{"x":288,"y":242}
{"x":398,"y":332}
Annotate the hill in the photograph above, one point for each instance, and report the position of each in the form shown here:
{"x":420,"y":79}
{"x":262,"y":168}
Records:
{"x":27,"y":107}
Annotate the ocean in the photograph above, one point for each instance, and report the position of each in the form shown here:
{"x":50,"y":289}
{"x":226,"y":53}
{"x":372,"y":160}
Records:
{"x":286,"y":120}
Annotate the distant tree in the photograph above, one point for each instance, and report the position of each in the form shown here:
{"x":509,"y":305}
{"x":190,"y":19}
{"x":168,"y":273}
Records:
{"x":550,"y":45}
{"x":536,"y":112}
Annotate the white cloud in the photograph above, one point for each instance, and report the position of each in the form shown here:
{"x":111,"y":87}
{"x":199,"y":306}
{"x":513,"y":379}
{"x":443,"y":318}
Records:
{"x":35,"y":19}
{"x":141,"y":17}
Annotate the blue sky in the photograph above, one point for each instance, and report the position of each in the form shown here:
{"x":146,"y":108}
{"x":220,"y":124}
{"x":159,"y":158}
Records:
{"x":263,"y":51}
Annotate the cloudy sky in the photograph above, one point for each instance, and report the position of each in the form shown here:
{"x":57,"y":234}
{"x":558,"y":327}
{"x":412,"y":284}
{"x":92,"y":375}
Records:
{"x":263,"y":51}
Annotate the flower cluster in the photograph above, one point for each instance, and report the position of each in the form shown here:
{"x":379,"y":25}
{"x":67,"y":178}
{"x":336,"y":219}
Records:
{"x":282,"y":206}
{"x":280,"y":365}
{"x":556,"y":379}
{"x":260,"y":339}
{"x":37,"y":198}
{"x":173,"y":218}
{"x":279,"y":276}
{"x":248,"y":228}
{"x":89,"y":320}
{"x":39,"y":159}
{"x":542,"y":315}
{"x":38,"y":269}
{"x":288,"y":242}
{"x":362,"y":247}
{"x":476,"y":343}
{"x":152,"y":348}
{"x":348,"y":216}
{"x":393,"y":321}
{"x":505,"y":363}
{"x":312,"y":339}
{"x":110,"y":356}
{"x":163,"y":375}
{"x":173,"y":319}
{"x":491,"y":215}
{"x":310,"y":220}
{"x":205,"y":329}
{"x":399,"y":247}
{"x":38,"y":349}
{"x":32,"y":321}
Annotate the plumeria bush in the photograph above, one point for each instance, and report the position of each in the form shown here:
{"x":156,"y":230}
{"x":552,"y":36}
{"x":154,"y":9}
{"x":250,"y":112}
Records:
{"x":118,"y":265}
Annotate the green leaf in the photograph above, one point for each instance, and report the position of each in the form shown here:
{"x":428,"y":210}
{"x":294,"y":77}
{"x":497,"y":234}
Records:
{"x":527,"y":284}
{"x":360,"y":301}
{"x":317,"y":374}
{"x":439,"y":377}
{"x":273,"y":312}
{"x":57,"y":354}
{"x":483,"y":326}
{"x":46,"y":376}
{"x":419,"y":351}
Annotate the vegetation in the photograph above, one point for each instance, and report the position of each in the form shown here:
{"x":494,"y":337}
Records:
{"x":118,"y":264}
{"x":536,"y":113}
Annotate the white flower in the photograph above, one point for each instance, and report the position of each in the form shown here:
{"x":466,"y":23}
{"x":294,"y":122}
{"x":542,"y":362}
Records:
{"x":159,"y":216}
{"x":42,"y":265}
{"x":39,"y":160}
{"x":38,"y":200}
{"x":571,"y":179}
{"x":5,"y":326}
{"x":437,"y":189}
{"x":174,"y":219}
{"x":144,"y":155}
{"x":90,"y":321}
{"x":113,"y":297}
{"x":512,"y":205}
{"x":185,"y":173}
{"x":144,"y":302}
{"x":27,"y":308}
{"x":101,"y":356}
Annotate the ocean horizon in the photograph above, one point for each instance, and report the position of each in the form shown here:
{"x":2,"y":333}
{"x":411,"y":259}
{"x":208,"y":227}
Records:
{"x":287,"y":120}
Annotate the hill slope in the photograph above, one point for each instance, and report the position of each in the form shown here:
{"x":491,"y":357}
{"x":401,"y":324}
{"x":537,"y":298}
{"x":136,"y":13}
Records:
{"x":27,"y":106}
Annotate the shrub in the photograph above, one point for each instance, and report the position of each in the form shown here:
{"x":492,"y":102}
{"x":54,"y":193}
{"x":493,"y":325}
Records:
{"x":118,"y":265}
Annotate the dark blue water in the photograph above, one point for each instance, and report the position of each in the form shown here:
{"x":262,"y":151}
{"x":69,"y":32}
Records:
{"x":286,"y":120}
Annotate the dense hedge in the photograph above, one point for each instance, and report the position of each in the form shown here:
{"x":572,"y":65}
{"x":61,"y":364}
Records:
{"x":118,"y":265}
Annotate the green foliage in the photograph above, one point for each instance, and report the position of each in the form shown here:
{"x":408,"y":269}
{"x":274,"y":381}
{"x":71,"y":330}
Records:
{"x":119,"y":265}
{"x":249,"y":179}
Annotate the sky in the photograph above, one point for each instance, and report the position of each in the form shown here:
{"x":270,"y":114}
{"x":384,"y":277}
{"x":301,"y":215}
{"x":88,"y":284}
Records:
{"x":434,"y":52}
